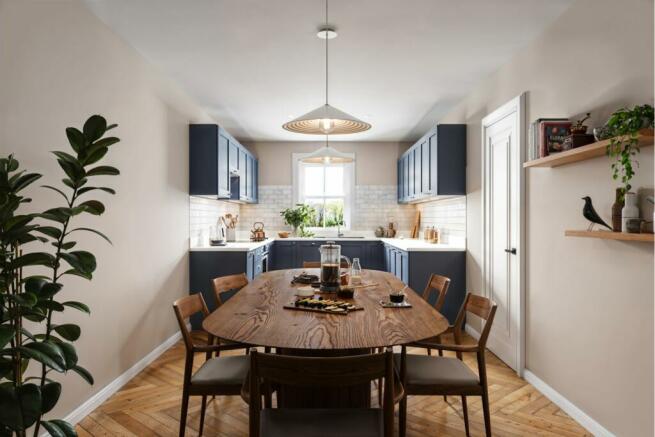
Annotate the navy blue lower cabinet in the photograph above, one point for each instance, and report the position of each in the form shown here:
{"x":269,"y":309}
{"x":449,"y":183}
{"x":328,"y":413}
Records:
{"x":415,"y":267}
{"x":284,"y":255}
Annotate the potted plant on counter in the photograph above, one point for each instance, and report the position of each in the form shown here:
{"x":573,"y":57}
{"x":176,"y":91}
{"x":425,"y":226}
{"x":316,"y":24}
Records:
{"x":297,"y":217}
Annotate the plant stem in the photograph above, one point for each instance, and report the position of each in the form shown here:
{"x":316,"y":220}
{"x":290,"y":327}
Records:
{"x":55,"y":268}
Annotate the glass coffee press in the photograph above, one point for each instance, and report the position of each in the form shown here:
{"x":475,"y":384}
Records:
{"x":331,"y":266}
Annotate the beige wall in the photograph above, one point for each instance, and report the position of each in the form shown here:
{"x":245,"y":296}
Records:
{"x":58,"y":65}
{"x":375,"y":161}
{"x":589,"y":302}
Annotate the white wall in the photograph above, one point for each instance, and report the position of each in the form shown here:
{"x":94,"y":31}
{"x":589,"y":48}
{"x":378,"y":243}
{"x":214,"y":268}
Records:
{"x":589,"y":302}
{"x":59,"y":64}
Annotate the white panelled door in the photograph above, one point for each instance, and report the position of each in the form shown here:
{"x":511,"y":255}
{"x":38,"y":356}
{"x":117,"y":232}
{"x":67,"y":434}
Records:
{"x":502,"y":176}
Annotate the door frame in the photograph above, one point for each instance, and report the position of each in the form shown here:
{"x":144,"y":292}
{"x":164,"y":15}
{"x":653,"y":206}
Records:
{"x":514,"y":106}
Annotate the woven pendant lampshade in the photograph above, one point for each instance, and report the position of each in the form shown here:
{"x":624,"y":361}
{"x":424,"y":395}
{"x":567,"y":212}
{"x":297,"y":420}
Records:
{"x":326,"y":120}
{"x":327,"y":155}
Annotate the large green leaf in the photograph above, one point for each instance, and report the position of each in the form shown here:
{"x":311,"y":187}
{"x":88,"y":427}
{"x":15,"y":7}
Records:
{"x":49,"y":396}
{"x":70,"y":354}
{"x":25,"y":299}
{"x":77,"y":305}
{"x":60,"y":214}
{"x":68,"y":331}
{"x":18,"y":221}
{"x":33,"y":259}
{"x":94,"y":207}
{"x":95,"y":155}
{"x":105,"y":142}
{"x":20,"y":407}
{"x":51,"y":305}
{"x":85,"y":374}
{"x":76,"y":139}
{"x":91,"y":230}
{"x":50,"y":231}
{"x":24,"y":181}
{"x":80,"y":260}
{"x":50,"y":289}
{"x":94,"y":128}
{"x":87,"y":189}
{"x":6,"y":368}
{"x":6,"y":334}
{"x":59,"y":428}
{"x":46,"y":353}
{"x":103,"y":170}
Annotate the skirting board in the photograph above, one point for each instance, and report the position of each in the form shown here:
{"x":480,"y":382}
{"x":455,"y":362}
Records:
{"x":97,"y":399}
{"x":564,"y":404}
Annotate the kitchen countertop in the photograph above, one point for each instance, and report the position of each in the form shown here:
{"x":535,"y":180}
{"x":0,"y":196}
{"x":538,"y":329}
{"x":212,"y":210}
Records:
{"x":406,"y":244}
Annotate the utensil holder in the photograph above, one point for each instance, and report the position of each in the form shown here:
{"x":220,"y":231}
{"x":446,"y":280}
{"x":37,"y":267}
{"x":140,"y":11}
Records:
{"x":231,"y":234}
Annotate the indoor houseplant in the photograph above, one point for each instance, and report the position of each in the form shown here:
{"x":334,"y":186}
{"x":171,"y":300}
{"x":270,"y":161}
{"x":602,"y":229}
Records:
{"x":29,"y":300}
{"x":297,"y":217}
{"x":623,"y":126}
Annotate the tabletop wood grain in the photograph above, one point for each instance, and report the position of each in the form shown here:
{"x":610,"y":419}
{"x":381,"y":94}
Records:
{"x":255,"y":315}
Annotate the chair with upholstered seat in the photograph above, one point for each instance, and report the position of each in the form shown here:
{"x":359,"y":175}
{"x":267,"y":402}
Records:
{"x":266,"y":369}
{"x":217,"y":376}
{"x":228,"y":285}
{"x":438,"y":375}
{"x":436,"y":284}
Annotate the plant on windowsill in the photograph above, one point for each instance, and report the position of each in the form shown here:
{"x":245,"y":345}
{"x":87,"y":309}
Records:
{"x":297,"y":217}
{"x":31,"y":300}
{"x":624,"y":126}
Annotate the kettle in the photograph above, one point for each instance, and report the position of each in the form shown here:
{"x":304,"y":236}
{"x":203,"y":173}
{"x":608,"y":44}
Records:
{"x":217,"y":234}
{"x":257,"y":233}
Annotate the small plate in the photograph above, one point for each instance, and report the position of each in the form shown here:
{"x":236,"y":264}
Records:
{"x":305,"y":291}
{"x":387,"y":304}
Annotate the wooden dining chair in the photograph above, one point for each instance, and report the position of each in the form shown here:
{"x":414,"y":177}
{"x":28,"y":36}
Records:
{"x":317,"y":264}
{"x":222,"y":376}
{"x":266,"y":369}
{"x":228,"y":284}
{"x":424,"y":375}
{"x":436,"y":284}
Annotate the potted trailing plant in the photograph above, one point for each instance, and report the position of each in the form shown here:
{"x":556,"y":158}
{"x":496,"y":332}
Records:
{"x":25,"y":398}
{"x":298,"y":217}
{"x":624,"y":126}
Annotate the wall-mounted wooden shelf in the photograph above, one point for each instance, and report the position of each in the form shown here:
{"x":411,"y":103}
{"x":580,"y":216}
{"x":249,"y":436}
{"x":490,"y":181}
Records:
{"x":607,"y":235}
{"x":589,"y":151}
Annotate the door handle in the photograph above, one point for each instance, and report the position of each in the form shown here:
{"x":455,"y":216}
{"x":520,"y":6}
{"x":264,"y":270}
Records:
{"x":512,"y":251}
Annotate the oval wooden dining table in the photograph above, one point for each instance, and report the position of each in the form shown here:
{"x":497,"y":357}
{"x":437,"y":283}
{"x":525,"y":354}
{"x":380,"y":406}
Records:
{"x":255,"y":315}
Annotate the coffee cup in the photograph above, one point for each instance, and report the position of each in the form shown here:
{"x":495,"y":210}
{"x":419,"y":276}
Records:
{"x":396,"y":298}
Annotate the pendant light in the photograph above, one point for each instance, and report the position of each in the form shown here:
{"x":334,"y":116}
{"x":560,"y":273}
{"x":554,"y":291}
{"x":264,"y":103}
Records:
{"x":326,"y":120}
{"x":327,"y":155}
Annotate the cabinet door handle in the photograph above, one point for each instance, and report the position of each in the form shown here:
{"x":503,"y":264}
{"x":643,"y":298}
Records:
{"x":512,"y":251}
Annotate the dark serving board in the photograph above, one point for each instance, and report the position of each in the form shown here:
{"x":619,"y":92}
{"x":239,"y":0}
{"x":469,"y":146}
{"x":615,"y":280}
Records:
{"x":291,"y":306}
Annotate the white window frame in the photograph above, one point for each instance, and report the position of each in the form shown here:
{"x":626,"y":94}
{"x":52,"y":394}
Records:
{"x":348,"y":186}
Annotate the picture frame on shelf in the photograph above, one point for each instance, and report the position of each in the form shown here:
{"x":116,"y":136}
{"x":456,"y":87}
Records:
{"x":552,"y":135}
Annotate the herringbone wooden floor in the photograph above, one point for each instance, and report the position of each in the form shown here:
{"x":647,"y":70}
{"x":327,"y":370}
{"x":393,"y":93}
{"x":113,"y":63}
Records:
{"x":149,"y":405}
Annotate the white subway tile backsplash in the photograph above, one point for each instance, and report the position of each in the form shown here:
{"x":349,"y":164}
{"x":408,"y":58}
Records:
{"x":448,"y":215}
{"x":204,"y":213}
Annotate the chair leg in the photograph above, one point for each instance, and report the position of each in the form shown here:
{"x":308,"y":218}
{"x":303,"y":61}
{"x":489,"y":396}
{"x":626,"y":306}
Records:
{"x":402,"y":417}
{"x":185,"y":407}
{"x":465,"y":410}
{"x":203,"y":408}
{"x":487,"y":416}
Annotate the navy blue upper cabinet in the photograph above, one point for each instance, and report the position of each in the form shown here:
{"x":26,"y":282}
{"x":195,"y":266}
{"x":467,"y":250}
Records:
{"x":215,"y":161}
{"x":435,"y":165}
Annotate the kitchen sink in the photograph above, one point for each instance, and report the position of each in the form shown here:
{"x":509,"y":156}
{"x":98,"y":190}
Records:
{"x":348,"y":237}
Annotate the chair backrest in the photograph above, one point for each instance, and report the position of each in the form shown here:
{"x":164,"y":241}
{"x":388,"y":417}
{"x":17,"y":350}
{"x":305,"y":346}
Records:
{"x":185,"y":308}
{"x":225,"y":284}
{"x":320,"y":372}
{"x":440,"y":285}
{"x":317,"y":264}
{"x":481,"y":307}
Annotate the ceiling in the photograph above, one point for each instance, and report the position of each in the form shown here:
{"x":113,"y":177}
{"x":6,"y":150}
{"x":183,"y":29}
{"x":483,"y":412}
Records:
{"x":397,"y":64}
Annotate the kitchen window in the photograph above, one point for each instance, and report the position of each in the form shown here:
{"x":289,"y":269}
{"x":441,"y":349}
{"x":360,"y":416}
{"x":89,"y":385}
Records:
{"x":328,"y":188}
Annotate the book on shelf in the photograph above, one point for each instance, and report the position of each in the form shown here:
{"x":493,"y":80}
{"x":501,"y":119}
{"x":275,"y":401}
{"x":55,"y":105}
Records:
{"x":538,"y":138}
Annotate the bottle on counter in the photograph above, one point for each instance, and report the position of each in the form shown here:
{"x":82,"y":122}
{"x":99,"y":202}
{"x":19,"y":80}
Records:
{"x":356,"y":272}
